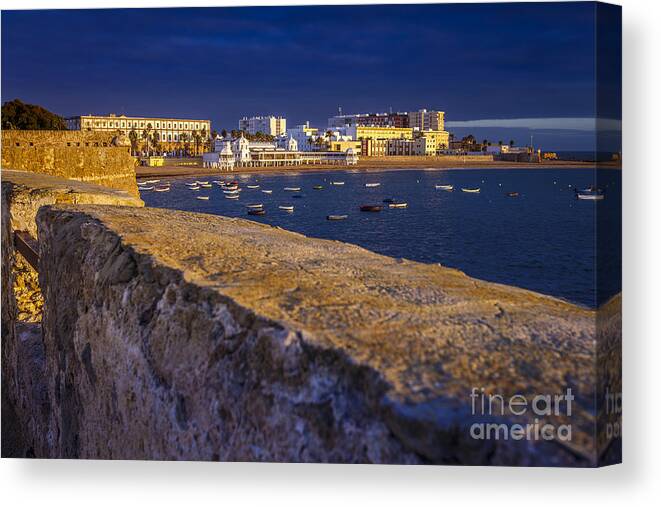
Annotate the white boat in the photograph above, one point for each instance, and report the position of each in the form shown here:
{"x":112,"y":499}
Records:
{"x":337,"y":182}
{"x":206,"y":185}
{"x":337,"y":217}
{"x":147,"y":188}
{"x":398,"y":205}
{"x":232,"y":196}
{"x":293,"y":189}
{"x":254,"y":206}
{"x":252,"y":186}
{"x":372,"y":184}
{"x":152,"y":181}
{"x":590,"y":197}
{"x":202,"y":182}
{"x":445,"y":187}
{"x":161,"y":189}
{"x":202,"y":197}
{"x":267,"y":191}
{"x":286,"y":208}
{"x":471,"y":190}
{"x":230,"y":191}
{"x":194,"y":188}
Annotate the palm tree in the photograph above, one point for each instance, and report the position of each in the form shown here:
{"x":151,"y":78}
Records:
{"x":146,"y":135}
{"x":205,"y":138}
{"x":184,"y":139}
{"x":156,"y":141}
{"x":133,"y":137}
{"x":194,"y":138}
{"x":511,"y":142}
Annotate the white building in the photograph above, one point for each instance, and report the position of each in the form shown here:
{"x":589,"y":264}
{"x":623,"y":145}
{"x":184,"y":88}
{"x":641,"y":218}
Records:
{"x":304,"y":136}
{"x":271,"y":125}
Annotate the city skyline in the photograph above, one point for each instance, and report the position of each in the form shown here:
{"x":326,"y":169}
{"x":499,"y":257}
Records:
{"x":305,"y":62}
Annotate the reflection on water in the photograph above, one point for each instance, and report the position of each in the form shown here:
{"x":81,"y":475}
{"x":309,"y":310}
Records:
{"x":543,"y":240}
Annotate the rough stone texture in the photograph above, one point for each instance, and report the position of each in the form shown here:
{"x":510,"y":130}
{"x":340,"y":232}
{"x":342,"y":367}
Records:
{"x":91,"y":157}
{"x":172,"y":335}
{"x":22,"y":350}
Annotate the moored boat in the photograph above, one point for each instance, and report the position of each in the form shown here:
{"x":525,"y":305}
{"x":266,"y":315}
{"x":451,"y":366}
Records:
{"x":285,"y":207}
{"x":255,"y":206}
{"x":231,"y":196}
{"x":369,"y":185}
{"x":318,"y":187}
{"x":512,"y":194}
{"x":162,"y":189}
{"x":256,"y":212}
{"x":449,"y":188}
{"x":252,"y":186}
{"x":371,"y":207}
{"x":337,"y":183}
{"x":471,"y":190}
{"x":336,"y":217}
{"x":398,"y":205}
{"x":146,"y":188}
{"x":590,"y":197}
{"x":202,"y":197}
{"x":292,"y":189}
{"x":267,"y":191}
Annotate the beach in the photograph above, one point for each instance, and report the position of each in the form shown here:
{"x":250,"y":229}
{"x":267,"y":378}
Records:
{"x":193,"y":167}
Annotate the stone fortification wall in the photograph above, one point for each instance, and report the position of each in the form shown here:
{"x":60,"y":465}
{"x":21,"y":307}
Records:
{"x":84,"y":156}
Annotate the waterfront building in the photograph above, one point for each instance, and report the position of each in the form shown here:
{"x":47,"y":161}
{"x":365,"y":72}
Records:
{"x":418,"y":147}
{"x":304,"y":136}
{"x":344,"y":145}
{"x":374,"y":147}
{"x":270,"y":125}
{"x":441,"y":137}
{"x":363,"y":132}
{"x":172,"y":134}
{"x":246,"y":153}
{"x":398,"y":120}
{"x":427,"y":120}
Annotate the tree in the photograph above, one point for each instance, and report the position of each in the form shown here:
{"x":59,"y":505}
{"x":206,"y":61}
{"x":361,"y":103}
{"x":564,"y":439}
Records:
{"x":20,"y":116}
{"x":511,"y":142}
{"x":195,"y":139}
{"x":223,"y":133}
{"x":184,"y":139}
{"x":133,"y":137}
{"x":156,"y":142}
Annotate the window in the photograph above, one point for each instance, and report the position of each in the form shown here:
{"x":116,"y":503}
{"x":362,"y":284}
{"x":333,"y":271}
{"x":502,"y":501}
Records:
{"x":158,"y":125}
{"x":169,"y":125}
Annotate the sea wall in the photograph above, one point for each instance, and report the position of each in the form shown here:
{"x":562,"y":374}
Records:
{"x":23,"y":193}
{"x":89,"y":157}
{"x":174,"y":335}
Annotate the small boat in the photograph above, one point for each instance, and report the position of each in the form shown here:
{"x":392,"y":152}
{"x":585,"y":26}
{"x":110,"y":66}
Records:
{"x":337,"y":183}
{"x":371,"y":207}
{"x":398,"y":205}
{"x":254,"y":206}
{"x":267,"y":191}
{"x":231,"y":196}
{"x":590,"y":197}
{"x":293,"y":189}
{"x":194,"y":188}
{"x":449,"y":188}
{"x":147,"y":188}
{"x":202,"y":182}
{"x":337,"y":217}
{"x":202,"y":197}
{"x":252,"y":186}
{"x":286,"y":208}
{"x":256,"y":212}
{"x":162,"y":189}
{"x":230,"y":191}
{"x":372,"y":184}
{"x":471,"y":190}
{"x":512,"y":194}
{"x":231,"y":187}
{"x":318,"y":187}
{"x":206,"y":185}
{"x":151,"y":181}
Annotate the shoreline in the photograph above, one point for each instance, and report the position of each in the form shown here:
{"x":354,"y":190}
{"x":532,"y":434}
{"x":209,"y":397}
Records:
{"x":367,"y":165}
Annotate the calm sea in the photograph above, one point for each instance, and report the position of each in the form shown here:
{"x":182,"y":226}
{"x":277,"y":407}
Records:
{"x":544,"y":240}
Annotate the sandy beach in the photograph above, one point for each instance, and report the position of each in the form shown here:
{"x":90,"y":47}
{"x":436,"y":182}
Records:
{"x":193,"y":167}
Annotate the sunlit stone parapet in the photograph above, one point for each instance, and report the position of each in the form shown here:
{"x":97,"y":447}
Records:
{"x":173,"y":335}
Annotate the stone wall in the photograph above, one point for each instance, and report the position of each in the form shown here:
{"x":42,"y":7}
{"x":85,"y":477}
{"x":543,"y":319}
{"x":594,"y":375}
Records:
{"x":23,"y":193}
{"x":173,"y":335}
{"x":79,"y":155}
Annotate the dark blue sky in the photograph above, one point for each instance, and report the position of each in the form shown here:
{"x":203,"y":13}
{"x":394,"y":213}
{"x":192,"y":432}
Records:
{"x":474,"y":61}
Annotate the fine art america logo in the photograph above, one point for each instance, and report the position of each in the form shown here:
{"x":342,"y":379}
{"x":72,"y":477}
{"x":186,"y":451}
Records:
{"x":539,"y":406}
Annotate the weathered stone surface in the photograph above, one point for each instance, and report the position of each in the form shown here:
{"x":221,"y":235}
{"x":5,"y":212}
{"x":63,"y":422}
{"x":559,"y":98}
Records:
{"x":172,"y":335}
{"x":22,"y":195}
{"x":91,"y":157}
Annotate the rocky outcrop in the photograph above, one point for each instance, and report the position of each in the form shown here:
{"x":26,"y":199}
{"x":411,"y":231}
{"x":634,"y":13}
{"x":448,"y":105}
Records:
{"x":23,"y":374}
{"x":172,"y":335}
{"x":90,"y":157}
